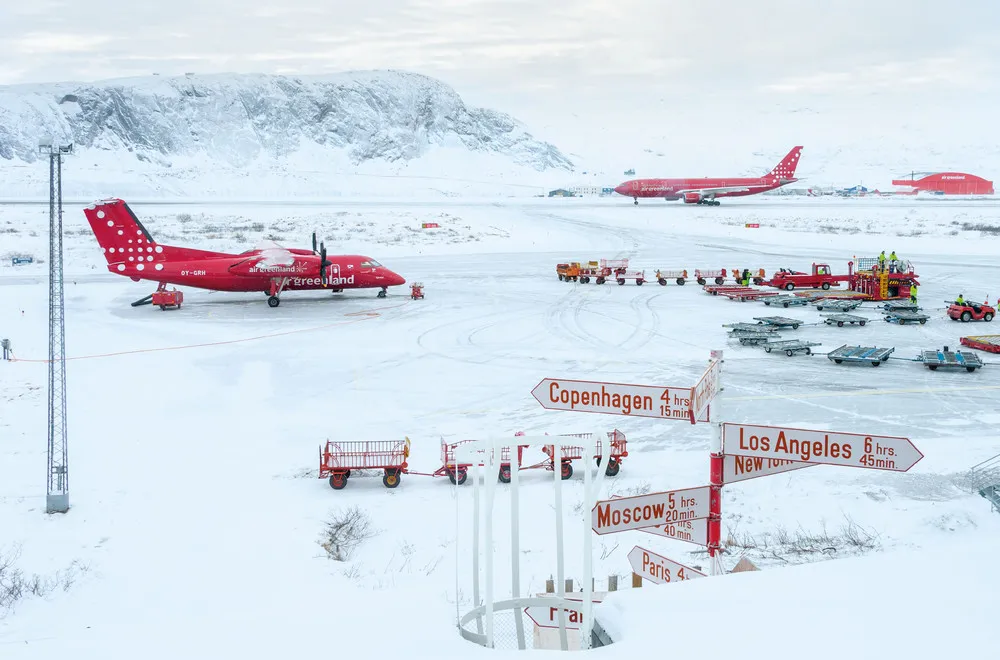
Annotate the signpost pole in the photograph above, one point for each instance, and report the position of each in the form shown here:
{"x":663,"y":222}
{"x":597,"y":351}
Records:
{"x":515,"y":544}
{"x":716,"y":459}
{"x":557,"y":471}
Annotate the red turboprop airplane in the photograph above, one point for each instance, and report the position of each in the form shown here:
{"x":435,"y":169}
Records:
{"x":132,"y":252}
{"x":705,"y":190}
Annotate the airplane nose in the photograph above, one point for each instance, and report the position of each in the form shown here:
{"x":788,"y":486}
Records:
{"x":621,"y":190}
{"x":394,"y":278}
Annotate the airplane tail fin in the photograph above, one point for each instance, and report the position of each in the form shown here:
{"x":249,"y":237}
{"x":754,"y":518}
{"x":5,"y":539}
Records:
{"x":127,"y":245}
{"x":786,"y":168}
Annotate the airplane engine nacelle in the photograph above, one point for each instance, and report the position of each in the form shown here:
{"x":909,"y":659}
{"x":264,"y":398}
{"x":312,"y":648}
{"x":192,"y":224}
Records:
{"x":692,"y":198}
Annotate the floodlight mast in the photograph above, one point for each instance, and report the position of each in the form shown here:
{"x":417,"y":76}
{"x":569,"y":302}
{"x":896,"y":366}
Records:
{"x":57,"y":483}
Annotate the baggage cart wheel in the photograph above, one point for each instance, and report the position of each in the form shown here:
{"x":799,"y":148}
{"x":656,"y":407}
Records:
{"x":986,"y":317}
{"x":837,"y":361}
{"x":767,"y":302}
{"x":795,"y":327}
{"x":901,"y":321}
{"x":840,"y":324}
{"x":970,"y":369}
{"x":662,"y":281}
{"x":560,"y":278}
{"x":639,"y":282}
{"x":720,"y":280}
{"x":458,"y":476}
{"x":613,"y":467}
{"x":788,"y":352}
{"x":163,"y":308}
{"x":785,"y":305}
{"x":861,"y":322}
{"x":621,"y":281}
{"x":504,"y":474}
{"x":680,"y":281}
{"x":808,"y":351}
{"x":922,"y":321}
{"x":391,"y":479}
{"x":932,"y":367}
{"x":819,"y":309}
{"x":337,"y":481}
{"x":701,"y":281}
{"x":826,"y":285}
{"x":566,"y":470}
{"x":600,"y":280}
{"x":876,"y":363}
{"x":767,"y":349}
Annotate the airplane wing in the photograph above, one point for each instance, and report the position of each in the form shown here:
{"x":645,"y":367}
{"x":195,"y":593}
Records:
{"x":713,"y":191}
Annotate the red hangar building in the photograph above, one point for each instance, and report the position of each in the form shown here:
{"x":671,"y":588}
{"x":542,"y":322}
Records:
{"x":946,"y":183}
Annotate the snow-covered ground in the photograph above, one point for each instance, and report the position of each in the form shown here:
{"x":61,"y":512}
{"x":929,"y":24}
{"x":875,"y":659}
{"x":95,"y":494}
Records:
{"x":196,"y":508}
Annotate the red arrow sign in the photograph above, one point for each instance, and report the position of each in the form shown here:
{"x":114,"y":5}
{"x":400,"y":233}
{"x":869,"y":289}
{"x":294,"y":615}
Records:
{"x":659,"y":569}
{"x":614,"y":398}
{"x":621,"y":514}
{"x":826,"y":447}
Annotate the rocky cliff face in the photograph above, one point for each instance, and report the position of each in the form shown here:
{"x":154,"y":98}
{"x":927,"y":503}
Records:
{"x":236,"y":120}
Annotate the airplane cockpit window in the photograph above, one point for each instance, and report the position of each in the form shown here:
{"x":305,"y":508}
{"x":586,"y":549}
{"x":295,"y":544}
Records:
{"x":370,"y":263}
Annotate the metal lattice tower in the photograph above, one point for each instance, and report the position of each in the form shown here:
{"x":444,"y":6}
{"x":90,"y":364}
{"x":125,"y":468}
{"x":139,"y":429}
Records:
{"x":57,"y":489}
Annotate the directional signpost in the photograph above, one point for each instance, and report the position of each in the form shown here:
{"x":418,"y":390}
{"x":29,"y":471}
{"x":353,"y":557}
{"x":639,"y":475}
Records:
{"x":547,"y":616}
{"x":689,"y":531}
{"x":659,"y":569}
{"x":823,"y":447}
{"x":614,"y":398}
{"x":674,"y":506}
{"x":741,"y":468}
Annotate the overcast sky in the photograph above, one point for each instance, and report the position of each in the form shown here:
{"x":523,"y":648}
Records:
{"x":516,"y":52}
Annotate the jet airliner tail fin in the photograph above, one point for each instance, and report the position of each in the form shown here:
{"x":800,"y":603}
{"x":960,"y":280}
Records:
{"x":786,"y":168}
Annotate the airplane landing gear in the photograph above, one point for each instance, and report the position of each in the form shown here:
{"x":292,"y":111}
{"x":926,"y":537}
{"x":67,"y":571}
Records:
{"x":381,"y":294}
{"x":278,"y":285}
{"x":710,"y":202}
{"x":635,"y":201}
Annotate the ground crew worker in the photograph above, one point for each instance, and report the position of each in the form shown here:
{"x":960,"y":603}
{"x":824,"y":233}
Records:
{"x":5,"y":343}
{"x":960,"y":300}
{"x":881,"y":261}
{"x":913,"y":295}
{"x":893,"y":261}
{"x":746,"y":277}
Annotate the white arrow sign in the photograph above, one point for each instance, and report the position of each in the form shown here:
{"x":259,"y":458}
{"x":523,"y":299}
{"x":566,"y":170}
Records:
{"x":741,"y":468}
{"x":547,"y":616}
{"x":826,"y":447}
{"x":614,"y":398}
{"x":659,"y":569}
{"x":706,"y":389}
{"x":689,"y":531}
{"x":618,"y":515}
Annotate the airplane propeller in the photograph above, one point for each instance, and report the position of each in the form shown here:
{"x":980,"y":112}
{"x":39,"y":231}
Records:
{"x":314,"y":242}
{"x":323,"y":263}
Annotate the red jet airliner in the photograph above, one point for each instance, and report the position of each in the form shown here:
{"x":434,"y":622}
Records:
{"x":132,"y":252}
{"x":705,"y":190}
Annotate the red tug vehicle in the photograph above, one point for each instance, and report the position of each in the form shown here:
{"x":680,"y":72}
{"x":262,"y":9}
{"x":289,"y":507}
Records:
{"x":969,"y":311}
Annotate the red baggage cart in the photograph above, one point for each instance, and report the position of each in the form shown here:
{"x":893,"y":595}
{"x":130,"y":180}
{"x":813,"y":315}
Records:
{"x":338,"y":459}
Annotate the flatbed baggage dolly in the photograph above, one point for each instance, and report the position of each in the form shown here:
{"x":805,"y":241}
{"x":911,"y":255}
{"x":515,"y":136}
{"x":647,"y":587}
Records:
{"x":988,"y":343}
{"x":841,"y":319}
{"x":750,"y":327}
{"x":900,"y":306}
{"x":702,"y":276}
{"x":790,"y":346}
{"x":870,"y":354}
{"x":753,"y":337}
{"x":786,"y":300}
{"x":836,"y":305}
{"x":904,"y":317}
{"x":949,"y":359}
{"x":779,"y":321}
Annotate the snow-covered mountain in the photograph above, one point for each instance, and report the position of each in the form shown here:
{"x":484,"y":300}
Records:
{"x":234,"y":133}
